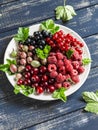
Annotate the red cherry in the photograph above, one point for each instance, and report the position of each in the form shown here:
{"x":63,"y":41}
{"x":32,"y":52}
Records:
{"x":35,"y":79}
{"x":44,"y":78}
{"x":34,"y":71}
{"x":43,"y":69}
{"x":27,"y":75}
{"x":28,"y":68}
{"x":20,"y":82}
{"x":51,"y":88}
{"x":39,"y":90}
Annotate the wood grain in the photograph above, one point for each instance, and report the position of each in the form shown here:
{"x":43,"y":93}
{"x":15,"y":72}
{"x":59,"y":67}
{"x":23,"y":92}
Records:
{"x":19,"y":112}
{"x":29,"y":13}
{"x":78,"y":120}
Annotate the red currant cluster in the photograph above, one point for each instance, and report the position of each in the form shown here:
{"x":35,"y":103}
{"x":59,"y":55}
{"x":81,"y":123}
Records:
{"x":64,"y":42}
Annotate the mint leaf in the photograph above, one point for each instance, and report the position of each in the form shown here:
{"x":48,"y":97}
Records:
{"x":90,"y":97}
{"x":60,"y":94}
{"x":92,"y":107}
{"x":92,"y":101}
{"x":65,"y":12}
{"x":50,"y":26}
{"x":69,"y":53}
{"x":4,"y":67}
{"x":86,"y":61}
{"x":42,"y":54}
{"x":26,"y":90}
{"x":22,"y":35}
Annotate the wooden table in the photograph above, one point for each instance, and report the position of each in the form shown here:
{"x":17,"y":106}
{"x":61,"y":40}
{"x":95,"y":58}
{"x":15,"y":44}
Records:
{"x":18,"y":112}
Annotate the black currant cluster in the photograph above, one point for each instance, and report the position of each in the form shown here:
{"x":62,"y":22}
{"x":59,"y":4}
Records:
{"x":38,"y":40}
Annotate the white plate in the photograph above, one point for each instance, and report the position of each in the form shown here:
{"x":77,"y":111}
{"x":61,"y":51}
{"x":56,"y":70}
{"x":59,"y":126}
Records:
{"x":83,"y":76}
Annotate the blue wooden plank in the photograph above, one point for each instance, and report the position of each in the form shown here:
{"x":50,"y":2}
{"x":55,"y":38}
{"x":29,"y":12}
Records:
{"x":78,"y":120}
{"x":29,"y":13}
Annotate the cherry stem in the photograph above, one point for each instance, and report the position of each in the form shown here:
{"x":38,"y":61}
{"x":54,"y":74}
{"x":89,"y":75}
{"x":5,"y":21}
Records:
{"x":64,"y":2}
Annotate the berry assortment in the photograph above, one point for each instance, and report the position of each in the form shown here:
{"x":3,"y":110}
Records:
{"x":60,"y":66}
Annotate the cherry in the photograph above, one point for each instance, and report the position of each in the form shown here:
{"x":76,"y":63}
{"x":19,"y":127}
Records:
{"x":28,"y":68}
{"x":34,"y":71}
{"x":44,"y":78}
{"x":51,"y":88}
{"x":39,"y":90}
{"x":27,"y":75}
{"x":51,"y":81}
{"x":35,"y":79}
{"x":20,"y":82}
{"x":43,"y":69}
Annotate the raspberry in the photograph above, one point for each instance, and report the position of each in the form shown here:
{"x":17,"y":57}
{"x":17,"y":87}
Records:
{"x":59,"y":56}
{"x":74,"y":72}
{"x":68,"y":65}
{"x":53,"y":74}
{"x":52,"y":67}
{"x":75,"y":78}
{"x":75,"y":64}
{"x":66,"y":85}
{"x":81,"y":69}
{"x":58,"y":85}
{"x":76,"y":55}
{"x":62,"y":70}
{"x":52,"y":54}
{"x":52,"y":59}
{"x":60,"y":63}
{"x":60,"y":78}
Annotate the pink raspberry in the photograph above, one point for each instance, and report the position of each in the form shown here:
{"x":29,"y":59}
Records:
{"x":52,"y":54}
{"x":75,"y":64}
{"x":52,"y":60}
{"x":58,"y":85}
{"x":81,"y":69}
{"x":60,"y":78}
{"x":52,"y":67}
{"x":59,"y":56}
{"x":60,"y":63}
{"x":53,"y":74}
{"x":75,"y":78}
{"x":67,"y":76}
{"x":76,"y":55}
{"x":74,"y":72}
{"x":66,"y":85}
{"x":62,"y":70}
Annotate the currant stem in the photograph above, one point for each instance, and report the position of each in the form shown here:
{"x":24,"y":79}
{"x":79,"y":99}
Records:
{"x":64,"y":2}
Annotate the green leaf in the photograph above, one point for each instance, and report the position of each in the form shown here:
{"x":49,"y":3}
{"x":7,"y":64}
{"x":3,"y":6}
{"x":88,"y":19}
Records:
{"x":22,"y":35}
{"x":90,"y":97}
{"x":50,"y":26}
{"x":64,"y":13}
{"x":86,"y":61}
{"x":92,"y":107}
{"x":9,"y":62}
{"x":69,"y":53}
{"x":96,"y":93}
{"x":42,"y":54}
{"x":4,"y":67}
{"x":26,"y":90}
{"x":60,"y":94}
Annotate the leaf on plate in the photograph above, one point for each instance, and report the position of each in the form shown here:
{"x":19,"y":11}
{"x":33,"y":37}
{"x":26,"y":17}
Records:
{"x":26,"y":90}
{"x":22,"y":34}
{"x":69,"y":53}
{"x":60,"y":94}
{"x":86,"y":61}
